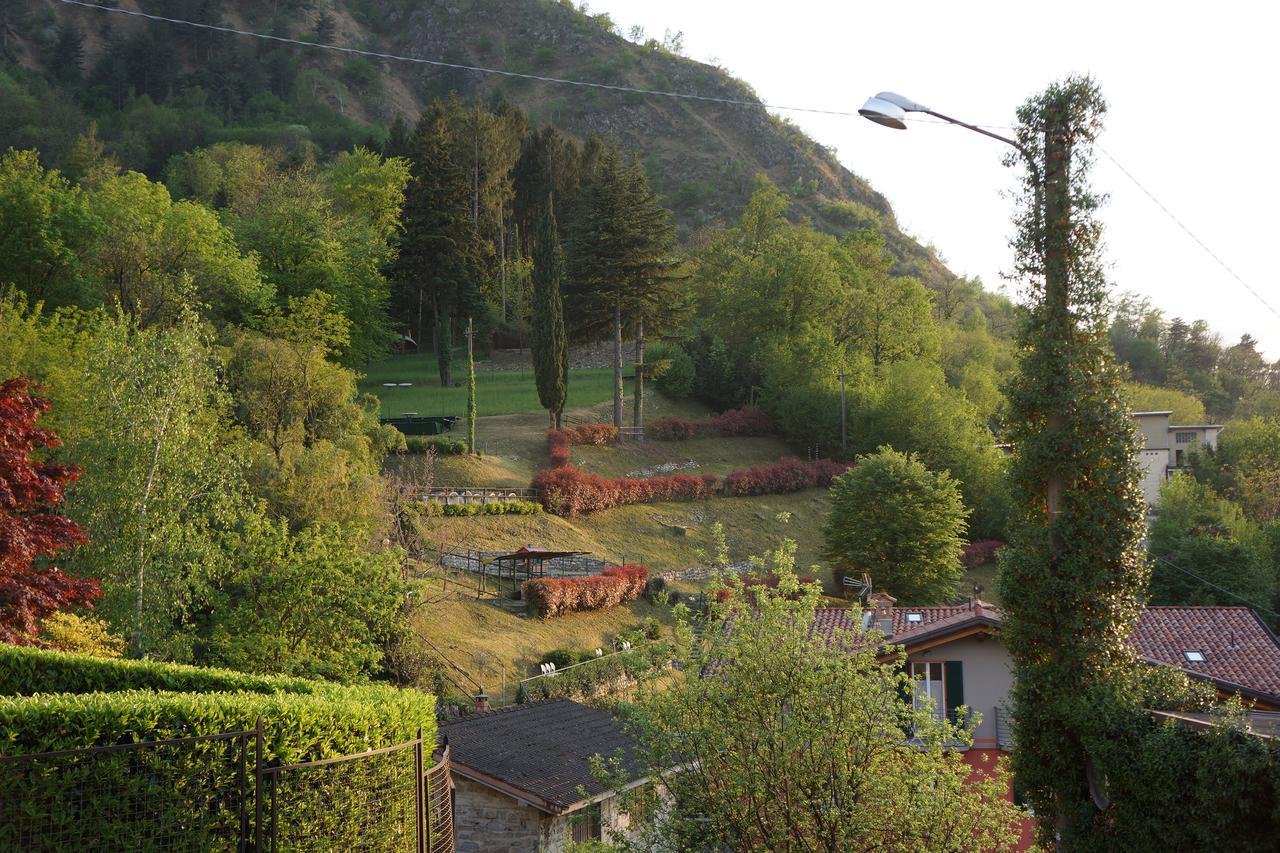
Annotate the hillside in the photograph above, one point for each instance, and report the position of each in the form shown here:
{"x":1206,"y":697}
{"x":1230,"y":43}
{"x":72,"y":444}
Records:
{"x":701,"y":156}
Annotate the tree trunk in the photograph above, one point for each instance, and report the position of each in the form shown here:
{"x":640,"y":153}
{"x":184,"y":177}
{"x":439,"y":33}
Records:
{"x":617,"y":362}
{"x":502,"y":264}
{"x":638,"y":419}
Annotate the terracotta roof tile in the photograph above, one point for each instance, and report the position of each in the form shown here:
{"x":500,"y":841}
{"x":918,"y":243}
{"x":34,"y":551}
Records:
{"x":543,"y":748}
{"x":1237,"y":647}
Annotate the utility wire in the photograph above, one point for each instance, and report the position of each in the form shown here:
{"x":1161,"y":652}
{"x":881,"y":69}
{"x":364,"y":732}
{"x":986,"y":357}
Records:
{"x":1189,"y":232}
{"x":1221,"y":589}
{"x":687,"y":96}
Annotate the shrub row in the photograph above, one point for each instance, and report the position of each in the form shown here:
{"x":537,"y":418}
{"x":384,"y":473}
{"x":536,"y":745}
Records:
{"x":595,"y":435}
{"x":434,"y":508}
{"x":558,"y":448}
{"x":728,"y":424}
{"x":568,"y":490}
{"x":25,"y":670}
{"x":786,"y":475}
{"x":442,"y":446}
{"x":582,"y":682}
{"x":613,"y":586}
{"x":982,"y":551}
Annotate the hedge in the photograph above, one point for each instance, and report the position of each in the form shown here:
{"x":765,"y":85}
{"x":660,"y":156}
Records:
{"x":190,"y":792}
{"x":728,"y":424}
{"x":613,"y":586}
{"x":567,"y":490}
{"x":442,"y":446}
{"x":493,"y":508}
{"x":582,"y":681}
{"x":786,"y":475}
{"x":25,"y":670}
{"x":596,"y":435}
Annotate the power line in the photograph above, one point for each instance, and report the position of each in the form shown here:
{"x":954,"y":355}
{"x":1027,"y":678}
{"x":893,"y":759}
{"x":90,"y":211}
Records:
{"x":1221,"y":589}
{"x":1189,"y":232}
{"x":454,"y":65}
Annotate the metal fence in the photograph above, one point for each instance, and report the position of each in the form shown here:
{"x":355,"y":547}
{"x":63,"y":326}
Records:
{"x":217,"y":792}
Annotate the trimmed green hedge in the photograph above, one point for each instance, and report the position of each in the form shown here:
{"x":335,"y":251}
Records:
{"x":442,"y":446}
{"x":25,"y":670}
{"x":191,"y":794}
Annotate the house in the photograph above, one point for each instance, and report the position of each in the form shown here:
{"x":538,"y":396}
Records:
{"x":956,"y":657}
{"x":1165,"y":446}
{"x":523,"y":780}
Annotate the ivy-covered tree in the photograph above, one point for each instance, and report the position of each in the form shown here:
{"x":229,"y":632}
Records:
{"x":550,"y":347}
{"x":32,"y":527}
{"x":899,"y":522}
{"x":1073,"y":576}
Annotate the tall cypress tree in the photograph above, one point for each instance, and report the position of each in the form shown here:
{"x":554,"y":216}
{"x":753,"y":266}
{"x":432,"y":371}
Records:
{"x":1072,"y":578}
{"x":549,"y":341}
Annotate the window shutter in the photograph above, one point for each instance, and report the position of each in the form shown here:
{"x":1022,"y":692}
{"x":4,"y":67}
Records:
{"x":953,"y":681}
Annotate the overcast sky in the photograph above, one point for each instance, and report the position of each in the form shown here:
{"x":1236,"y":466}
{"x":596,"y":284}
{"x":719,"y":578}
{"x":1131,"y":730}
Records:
{"x":1190,"y":88}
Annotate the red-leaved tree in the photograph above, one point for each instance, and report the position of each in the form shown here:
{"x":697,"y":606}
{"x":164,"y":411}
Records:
{"x":31,"y":528}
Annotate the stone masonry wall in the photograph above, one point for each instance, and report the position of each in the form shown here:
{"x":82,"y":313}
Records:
{"x":486,"y":821}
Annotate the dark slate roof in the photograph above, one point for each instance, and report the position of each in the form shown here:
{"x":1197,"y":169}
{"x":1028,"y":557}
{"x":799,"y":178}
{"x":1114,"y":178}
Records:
{"x":1238,"y":649}
{"x":1240,"y":652}
{"x":542,"y":750}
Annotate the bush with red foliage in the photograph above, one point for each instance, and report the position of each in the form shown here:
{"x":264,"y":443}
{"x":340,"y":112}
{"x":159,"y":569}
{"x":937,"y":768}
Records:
{"x":568,"y":490}
{"x":728,"y":424}
{"x":982,"y":551}
{"x":31,"y":528}
{"x":786,"y":475}
{"x":595,"y":435}
{"x":613,"y":586}
{"x":771,"y":581}
{"x":558,"y":448}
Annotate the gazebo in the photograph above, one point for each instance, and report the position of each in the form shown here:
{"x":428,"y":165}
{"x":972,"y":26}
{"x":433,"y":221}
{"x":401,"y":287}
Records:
{"x":529,"y":561}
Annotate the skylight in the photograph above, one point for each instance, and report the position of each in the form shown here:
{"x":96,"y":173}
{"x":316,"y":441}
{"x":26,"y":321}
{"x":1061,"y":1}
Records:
{"x":915,"y":617}
{"x":1194,"y":656}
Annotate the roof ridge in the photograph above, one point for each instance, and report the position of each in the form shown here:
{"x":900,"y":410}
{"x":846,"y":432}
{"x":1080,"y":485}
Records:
{"x":484,"y":715}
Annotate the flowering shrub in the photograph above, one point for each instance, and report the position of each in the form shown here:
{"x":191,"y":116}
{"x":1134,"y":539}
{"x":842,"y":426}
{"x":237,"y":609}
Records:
{"x":613,"y":586}
{"x":731,"y":423}
{"x":786,"y":475}
{"x":983,"y":551}
{"x":568,"y":490}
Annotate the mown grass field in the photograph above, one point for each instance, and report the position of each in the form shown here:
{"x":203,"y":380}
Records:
{"x":498,"y":392}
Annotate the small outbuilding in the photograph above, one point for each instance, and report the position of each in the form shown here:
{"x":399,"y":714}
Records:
{"x":523,"y":780}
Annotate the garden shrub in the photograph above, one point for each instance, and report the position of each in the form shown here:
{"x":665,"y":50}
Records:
{"x":982,"y":551}
{"x":613,"y":586}
{"x":442,"y":446}
{"x":734,"y":423}
{"x":596,"y":435}
{"x":435,"y":508}
{"x":561,"y":658}
{"x":672,"y":368}
{"x":558,"y":448}
{"x":71,"y":632}
{"x":570,"y":491}
{"x":583,"y":681}
{"x":786,"y":475}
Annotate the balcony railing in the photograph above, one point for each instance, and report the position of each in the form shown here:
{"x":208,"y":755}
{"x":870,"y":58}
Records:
{"x":1004,"y":728}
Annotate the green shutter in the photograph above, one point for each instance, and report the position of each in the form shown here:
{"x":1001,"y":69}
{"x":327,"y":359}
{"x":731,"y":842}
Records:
{"x":953,"y":683}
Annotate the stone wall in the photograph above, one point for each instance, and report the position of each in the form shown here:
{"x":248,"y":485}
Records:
{"x":486,"y":821}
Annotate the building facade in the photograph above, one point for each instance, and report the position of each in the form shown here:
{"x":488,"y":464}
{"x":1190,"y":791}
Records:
{"x":1165,"y":448}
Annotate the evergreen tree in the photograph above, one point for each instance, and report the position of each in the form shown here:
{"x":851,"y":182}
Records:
{"x":1072,"y":578}
{"x":326,"y":27}
{"x":621,"y":257}
{"x":549,"y":342}
{"x":66,"y":59}
{"x":471,"y":387}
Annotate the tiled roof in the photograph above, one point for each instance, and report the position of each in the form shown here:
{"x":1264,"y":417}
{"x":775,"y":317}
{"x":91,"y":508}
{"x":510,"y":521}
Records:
{"x":1237,"y":647}
{"x":542,"y":748}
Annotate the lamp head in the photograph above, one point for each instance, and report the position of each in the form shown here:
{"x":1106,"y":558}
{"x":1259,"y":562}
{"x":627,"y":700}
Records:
{"x":883,"y":112}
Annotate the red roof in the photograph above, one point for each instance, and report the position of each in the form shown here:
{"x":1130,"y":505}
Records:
{"x":1239,"y":650}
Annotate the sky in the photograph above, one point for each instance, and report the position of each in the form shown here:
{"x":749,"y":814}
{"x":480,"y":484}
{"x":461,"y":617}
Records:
{"x":1189,"y":88}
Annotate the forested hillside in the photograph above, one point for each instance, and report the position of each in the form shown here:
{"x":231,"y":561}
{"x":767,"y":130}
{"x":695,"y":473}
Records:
{"x":156,"y":90}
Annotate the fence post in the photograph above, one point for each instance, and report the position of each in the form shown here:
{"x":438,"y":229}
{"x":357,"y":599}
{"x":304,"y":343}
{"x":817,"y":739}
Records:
{"x":257,"y":790}
{"x":243,"y":846}
{"x":424,"y":827}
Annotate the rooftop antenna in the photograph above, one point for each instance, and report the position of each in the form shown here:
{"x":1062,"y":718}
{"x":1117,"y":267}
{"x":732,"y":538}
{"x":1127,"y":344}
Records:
{"x":858,"y":588}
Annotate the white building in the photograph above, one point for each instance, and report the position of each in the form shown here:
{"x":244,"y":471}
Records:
{"x":1165,"y":447}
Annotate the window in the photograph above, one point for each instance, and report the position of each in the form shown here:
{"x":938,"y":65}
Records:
{"x":1194,"y":656}
{"x":929,"y":685}
{"x":1184,"y":437}
{"x":915,"y":618}
{"x":586,"y":824}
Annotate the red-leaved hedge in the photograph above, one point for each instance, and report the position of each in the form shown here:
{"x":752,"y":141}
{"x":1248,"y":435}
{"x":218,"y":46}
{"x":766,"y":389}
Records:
{"x":597,"y":435}
{"x":613,"y":586}
{"x":785,"y":475}
{"x":569,"y":490}
{"x":558,"y":448}
{"x":732,"y":423}
{"x":982,"y":551}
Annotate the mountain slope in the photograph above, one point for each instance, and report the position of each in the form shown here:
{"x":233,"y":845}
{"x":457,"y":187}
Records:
{"x":701,"y":156}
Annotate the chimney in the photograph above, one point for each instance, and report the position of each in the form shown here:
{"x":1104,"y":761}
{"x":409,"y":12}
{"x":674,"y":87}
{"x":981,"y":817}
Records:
{"x":482,"y":703}
{"x":881,"y":606}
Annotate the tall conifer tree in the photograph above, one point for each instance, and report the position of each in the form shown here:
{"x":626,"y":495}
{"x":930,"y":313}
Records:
{"x":549,"y":341}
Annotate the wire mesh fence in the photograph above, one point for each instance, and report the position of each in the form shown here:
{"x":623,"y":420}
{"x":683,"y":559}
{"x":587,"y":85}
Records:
{"x":183,"y":794}
{"x":217,"y":792}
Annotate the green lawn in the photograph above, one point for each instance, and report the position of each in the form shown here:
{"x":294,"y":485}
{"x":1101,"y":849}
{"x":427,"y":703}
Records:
{"x":498,"y":392}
